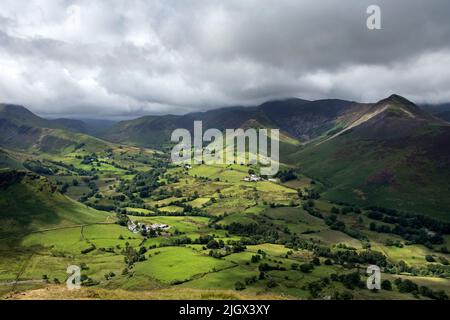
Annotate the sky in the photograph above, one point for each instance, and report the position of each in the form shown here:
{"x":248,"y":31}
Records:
{"x":113,"y":59}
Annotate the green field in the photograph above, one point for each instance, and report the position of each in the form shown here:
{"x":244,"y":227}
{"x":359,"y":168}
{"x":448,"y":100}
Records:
{"x":227,"y":238}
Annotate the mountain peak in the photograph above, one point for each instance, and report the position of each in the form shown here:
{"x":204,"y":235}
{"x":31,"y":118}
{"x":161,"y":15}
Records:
{"x":397,"y":99}
{"x":398,"y":106}
{"x":21,"y":116}
{"x":14,"y":109}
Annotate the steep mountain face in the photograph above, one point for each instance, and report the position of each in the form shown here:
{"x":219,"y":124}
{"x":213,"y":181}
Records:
{"x":394,"y":154}
{"x":307,"y":120}
{"x":297,"y":118}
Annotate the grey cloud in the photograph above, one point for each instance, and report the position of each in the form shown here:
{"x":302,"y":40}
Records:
{"x":135,"y":57}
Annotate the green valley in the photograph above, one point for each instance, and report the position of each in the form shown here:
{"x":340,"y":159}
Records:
{"x":359,"y":185}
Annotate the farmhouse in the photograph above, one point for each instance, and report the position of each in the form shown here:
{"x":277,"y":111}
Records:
{"x":137,"y":227}
{"x":252,"y":178}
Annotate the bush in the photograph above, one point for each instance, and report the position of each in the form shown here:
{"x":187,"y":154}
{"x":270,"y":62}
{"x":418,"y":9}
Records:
{"x":306,"y":267}
{"x":328,"y":262}
{"x":406,"y":286}
{"x":316,"y":261}
{"x":239,"y":286}
{"x":386,"y":285}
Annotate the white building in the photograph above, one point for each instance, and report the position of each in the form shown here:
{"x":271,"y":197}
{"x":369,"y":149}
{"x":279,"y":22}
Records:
{"x":252,"y":178}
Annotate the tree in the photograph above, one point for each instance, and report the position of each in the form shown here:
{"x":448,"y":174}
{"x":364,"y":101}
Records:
{"x":406,"y":286}
{"x":306,"y":268}
{"x":386,"y":285}
{"x":444,"y":261}
{"x":351,"y":280}
{"x":64,"y":188}
{"x":213,"y":244}
{"x":239,"y":286}
{"x":122,"y":219}
{"x":316,"y":261}
{"x":271,"y":283}
{"x":328,"y":262}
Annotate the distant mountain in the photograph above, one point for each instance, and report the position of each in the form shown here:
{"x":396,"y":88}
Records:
{"x":20,"y":129}
{"x":441,"y":111}
{"x":94,"y":126}
{"x":297,"y":118}
{"x":390,"y":153}
{"x":70,"y":124}
{"x":395,"y":155}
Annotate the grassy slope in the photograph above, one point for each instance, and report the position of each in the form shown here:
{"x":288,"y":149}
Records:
{"x":30,"y":203}
{"x":357,"y":177}
{"x":8,"y":162}
{"x":397,"y":159}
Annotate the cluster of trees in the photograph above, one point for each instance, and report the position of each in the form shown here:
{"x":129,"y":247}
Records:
{"x":71,"y":167}
{"x":38,"y":167}
{"x":436,"y":270}
{"x":93,"y":190}
{"x":334,"y":223}
{"x":132,"y":255}
{"x":208,"y":242}
{"x":350,"y":280}
{"x":345,"y":210}
{"x":309,"y":194}
{"x":341,"y":255}
{"x":413,"y":228}
{"x":408,"y":286}
{"x":89,"y":159}
{"x":264,"y":267}
{"x":255,"y":232}
{"x":309,"y":207}
{"x":88,"y":249}
{"x":285,"y":175}
{"x":412,"y":220}
{"x":144,"y":182}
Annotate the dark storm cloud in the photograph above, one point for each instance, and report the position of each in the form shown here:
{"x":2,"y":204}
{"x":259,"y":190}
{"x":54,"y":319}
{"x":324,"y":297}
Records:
{"x":109,"y":58}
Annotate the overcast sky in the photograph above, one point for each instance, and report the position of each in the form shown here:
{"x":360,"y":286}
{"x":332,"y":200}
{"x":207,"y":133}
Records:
{"x":128,"y":58}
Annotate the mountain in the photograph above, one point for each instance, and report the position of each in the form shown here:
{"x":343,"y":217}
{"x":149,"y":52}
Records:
{"x":389,"y":153}
{"x":29,"y":202}
{"x":19,"y":115}
{"x":296,"y":118}
{"x":394,"y":155}
{"x":20,"y":129}
{"x":70,"y":124}
{"x":441,"y":111}
{"x":88,"y":126}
